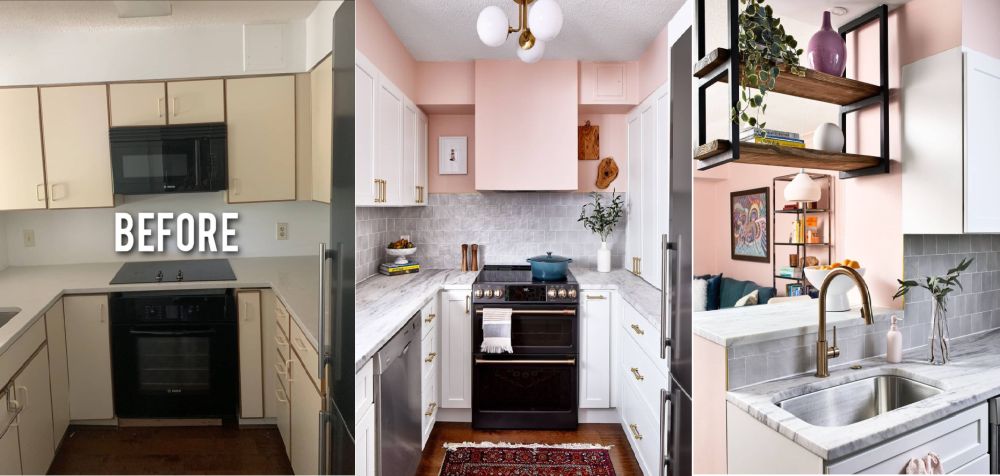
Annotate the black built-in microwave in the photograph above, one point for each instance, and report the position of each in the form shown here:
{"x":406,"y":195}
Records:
{"x":169,"y":159}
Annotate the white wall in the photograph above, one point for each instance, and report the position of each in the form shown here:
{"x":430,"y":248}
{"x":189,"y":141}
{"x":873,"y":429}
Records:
{"x":319,"y":31}
{"x":87,"y":235}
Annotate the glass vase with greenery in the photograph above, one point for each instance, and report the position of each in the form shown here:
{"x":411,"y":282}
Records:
{"x":601,"y":219}
{"x":939,"y":287}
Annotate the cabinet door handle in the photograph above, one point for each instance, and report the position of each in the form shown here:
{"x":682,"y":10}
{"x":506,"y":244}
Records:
{"x":637,"y":329}
{"x":40,"y":192}
{"x":173,"y":106}
{"x":288,"y":370}
{"x":467,"y":304}
{"x":279,"y":369}
{"x":301,"y":347}
{"x":280,"y":395}
{"x":596,"y":297}
{"x":53,"y":194}
{"x":159,"y":106}
{"x":430,"y":357}
{"x":430,"y":318}
{"x":385,"y":190}
{"x":636,"y":374}
{"x":246,"y":312}
{"x":24,"y":396}
{"x":280,"y":339}
{"x":635,"y":431}
{"x":236,"y":186}
{"x":430,"y":409}
{"x":100,"y":312}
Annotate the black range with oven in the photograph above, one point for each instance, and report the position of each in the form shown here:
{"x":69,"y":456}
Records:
{"x":535,"y":387}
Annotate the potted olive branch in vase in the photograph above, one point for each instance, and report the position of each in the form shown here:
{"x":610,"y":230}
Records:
{"x":602,"y":220}
{"x":939,"y":287}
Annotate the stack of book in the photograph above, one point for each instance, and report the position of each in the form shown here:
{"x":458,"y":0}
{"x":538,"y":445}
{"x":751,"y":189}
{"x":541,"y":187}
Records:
{"x":393,"y":269}
{"x":788,"y":272}
{"x":772,"y":137}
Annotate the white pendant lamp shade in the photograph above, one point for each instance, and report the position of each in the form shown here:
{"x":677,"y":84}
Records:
{"x":534,"y":54}
{"x":802,"y":189}
{"x":545,"y":19}
{"x":492,"y":26}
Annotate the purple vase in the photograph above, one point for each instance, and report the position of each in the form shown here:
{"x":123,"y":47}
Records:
{"x":827,"y":52}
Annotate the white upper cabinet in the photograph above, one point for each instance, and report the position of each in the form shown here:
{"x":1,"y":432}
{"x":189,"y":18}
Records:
{"x":22,"y":183}
{"x":193,"y":102}
{"x":421,"y":158}
{"x":949,"y":120}
{"x":261,"y":131}
{"x":389,"y":140}
{"x":321,"y":90}
{"x":648,"y":128}
{"x":367,"y":189}
{"x":633,"y":222}
{"x":138,"y":104}
{"x":408,"y":179}
{"x":77,"y":152}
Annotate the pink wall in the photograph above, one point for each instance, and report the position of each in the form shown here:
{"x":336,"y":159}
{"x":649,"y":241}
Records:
{"x":614,"y":143}
{"x":979,"y":26}
{"x":376,"y":40}
{"x":446,"y":86}
{"x":450,"y":125}
{"x":927,"y":27}
{"x":526,"y":137}
{"x":654,"y":65}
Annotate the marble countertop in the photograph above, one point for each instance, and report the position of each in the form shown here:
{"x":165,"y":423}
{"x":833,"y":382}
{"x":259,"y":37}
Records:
{"x":383,"y":304}
{"x":33,"y":289}
{"x":972,"y":377}
{"x":747,"y":325}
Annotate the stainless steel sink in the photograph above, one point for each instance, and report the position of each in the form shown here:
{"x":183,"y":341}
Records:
{"x":857,"y":401}
{"x":7,"y":314}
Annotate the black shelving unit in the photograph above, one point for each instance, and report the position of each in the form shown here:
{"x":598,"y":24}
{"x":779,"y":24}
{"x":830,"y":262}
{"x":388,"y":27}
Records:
{"x":724,"y":66}
{"x":801,"y":249}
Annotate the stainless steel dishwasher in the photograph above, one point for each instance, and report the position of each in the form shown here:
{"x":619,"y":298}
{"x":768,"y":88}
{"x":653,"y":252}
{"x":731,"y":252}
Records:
{"x":397,"y":402}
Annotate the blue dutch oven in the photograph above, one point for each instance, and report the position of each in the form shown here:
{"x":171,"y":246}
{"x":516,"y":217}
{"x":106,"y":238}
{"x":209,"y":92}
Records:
{"x":548,"y":267}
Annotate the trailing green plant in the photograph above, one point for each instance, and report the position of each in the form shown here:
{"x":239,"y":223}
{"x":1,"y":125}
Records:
{"x":764,"y":48}
{"x":939,"y":286}
{"x":603,"y":218}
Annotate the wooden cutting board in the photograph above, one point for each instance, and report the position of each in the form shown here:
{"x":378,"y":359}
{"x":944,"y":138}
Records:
{"x":589,"y":142}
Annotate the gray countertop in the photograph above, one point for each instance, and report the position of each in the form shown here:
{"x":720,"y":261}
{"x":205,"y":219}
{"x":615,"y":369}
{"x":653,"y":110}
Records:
{"x":33,"y":289}
{"x":384,"y":303}
{"x":972,"y":377}
{"x":751,"y":324}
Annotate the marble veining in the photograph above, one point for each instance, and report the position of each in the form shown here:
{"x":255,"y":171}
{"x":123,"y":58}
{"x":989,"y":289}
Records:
{"x":971,"y":378}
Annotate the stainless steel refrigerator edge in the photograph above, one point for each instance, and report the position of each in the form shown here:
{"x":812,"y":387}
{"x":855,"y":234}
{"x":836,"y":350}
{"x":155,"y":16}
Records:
{"x":336,"y":265}
{"x":677,"y":261}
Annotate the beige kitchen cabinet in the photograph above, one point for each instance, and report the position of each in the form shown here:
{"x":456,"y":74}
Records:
{"x":10,"y":453}
{"x":283,"y":397}
{"x":321,"y":90}
{"x":251,"y":362}
{"x":268,"y":338}
{"x":193,"y":102}
{"x":88,"y":349}
{"x":456,"y":347}
{"x":34,"y":423}
{"x":22,"y":183}
{"x":138,"y":104}
{"x":306,"y":407}
{"x":55,"y":327}
{"x":77,"y":152}
{"x":261,"y":128}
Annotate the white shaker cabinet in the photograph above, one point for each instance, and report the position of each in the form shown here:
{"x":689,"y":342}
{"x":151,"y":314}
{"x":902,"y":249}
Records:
{"x":77,"y":150}
{"x":88,"y":350}
{"x":251,"y":356}
{"x":261,"y":137}
{"x":949,"y":123}
{"x":138,"y":104}
{"x":389,"y":140}
{"x":367,"y":189}
{"x":648,"y":128}
{"x":595,"y":349}
{"x":34,"y":423}
{"x":22,"y":183}
{"x":456,"y":349}
{"x":194,"y":102}
{"x":364,"y":444}
{"x":55,"y":328}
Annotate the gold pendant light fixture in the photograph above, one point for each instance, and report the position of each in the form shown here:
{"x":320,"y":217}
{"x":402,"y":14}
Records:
{"x":537,"y":26}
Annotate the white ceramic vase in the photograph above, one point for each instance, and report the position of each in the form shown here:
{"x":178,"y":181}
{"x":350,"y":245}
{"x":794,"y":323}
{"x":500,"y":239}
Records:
{"x":828,"y":137}
{"x":604,"y":258}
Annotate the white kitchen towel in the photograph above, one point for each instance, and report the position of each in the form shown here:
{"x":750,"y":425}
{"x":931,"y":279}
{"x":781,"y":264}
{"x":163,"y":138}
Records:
{"x":930,"y":464}
{"x":496,"y":331}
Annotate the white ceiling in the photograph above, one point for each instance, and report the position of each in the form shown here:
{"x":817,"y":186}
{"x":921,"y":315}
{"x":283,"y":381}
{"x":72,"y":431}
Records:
{"x":102,"y":15}
{"x":599,"y":30}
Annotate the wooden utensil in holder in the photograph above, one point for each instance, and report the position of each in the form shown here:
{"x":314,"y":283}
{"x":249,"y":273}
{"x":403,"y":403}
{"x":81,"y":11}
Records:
{"x":475,"y":257}
{"x":465,"y":257}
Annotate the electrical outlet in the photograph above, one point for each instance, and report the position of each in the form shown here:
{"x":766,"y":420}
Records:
{"x":282,"y":231}
{"x":29,"y":238}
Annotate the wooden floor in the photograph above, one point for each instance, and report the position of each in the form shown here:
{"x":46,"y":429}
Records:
{"x":188,"y":450}
{"x":602,"y":434}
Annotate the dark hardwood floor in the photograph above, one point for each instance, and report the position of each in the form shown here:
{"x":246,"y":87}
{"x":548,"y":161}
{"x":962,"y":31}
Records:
{"x":602,"y":434}
{"x":185,"y":450}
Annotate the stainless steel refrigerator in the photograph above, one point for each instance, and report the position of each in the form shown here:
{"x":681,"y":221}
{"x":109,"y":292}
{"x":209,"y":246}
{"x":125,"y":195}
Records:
{"x":676,"y":273}
{"x":336,"y":265}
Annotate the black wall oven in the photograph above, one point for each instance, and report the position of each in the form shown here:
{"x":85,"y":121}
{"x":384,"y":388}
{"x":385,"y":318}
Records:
{"x":175,"y":354}
{"x":169,"y":159}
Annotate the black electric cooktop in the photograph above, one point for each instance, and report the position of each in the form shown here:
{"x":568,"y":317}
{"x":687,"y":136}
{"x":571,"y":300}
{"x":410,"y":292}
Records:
{"x":175,"y":271}
{"x":515,"y":274}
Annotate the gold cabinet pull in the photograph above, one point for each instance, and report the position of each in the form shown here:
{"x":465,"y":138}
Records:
{"x":378,"y":190}
{"x":596,"y":297}
{"x":635,"y":431}
{"x":638,"y":330}
{"x":430,"y":318}
{"x":430,"y":409}
{"x":430,"y":357}
{"x":636,"y":374}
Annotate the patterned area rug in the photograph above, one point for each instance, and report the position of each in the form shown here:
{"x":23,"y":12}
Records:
{"x":511,"y":459}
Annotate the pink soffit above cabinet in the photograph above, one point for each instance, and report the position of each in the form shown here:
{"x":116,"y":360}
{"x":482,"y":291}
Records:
{"x":526,"y":121}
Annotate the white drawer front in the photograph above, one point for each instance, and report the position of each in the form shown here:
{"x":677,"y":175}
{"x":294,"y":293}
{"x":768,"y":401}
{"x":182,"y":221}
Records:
{"x":638,"y":369}
{"x":958,"y":440}
{"x":642,"y":427}
{"x":646,"y":335}
{"x":431,"y":353}
{"x":428,"y":318}
{"x":429,"y":399}
{"x":364,"y":389}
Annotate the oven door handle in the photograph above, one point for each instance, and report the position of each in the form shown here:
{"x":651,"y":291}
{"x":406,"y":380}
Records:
{"x":547,"y":312}
{"x":526,"y":362}
{"x":172,"y":333}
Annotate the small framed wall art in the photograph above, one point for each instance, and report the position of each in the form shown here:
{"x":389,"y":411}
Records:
{"x":750,"y":225}
{"x":453,"y":155}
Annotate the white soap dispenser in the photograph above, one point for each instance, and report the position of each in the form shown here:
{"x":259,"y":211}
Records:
{"x":894,"y":343}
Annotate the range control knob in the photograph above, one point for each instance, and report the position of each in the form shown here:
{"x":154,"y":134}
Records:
{"x":572,"y":293}
{"x":551,"y":293}
{"x":498,"y":293}
{"x":562,"y":294}
{"x":479,"y":293}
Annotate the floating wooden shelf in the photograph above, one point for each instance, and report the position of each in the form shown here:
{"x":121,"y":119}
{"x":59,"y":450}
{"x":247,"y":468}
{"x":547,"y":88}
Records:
{"x":809,"y":211}
{"x":814,"y":85}
{"x":802,"y":244}
{"x":718,"y":152}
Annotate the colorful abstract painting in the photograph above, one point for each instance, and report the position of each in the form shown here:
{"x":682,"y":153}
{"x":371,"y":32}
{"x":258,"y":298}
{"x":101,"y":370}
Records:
{"x":751,"y":225}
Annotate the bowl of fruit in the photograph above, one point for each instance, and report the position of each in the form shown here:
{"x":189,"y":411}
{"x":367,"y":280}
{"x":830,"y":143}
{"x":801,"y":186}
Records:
{"x":400,"y":249}
{"x":836,"y":293}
